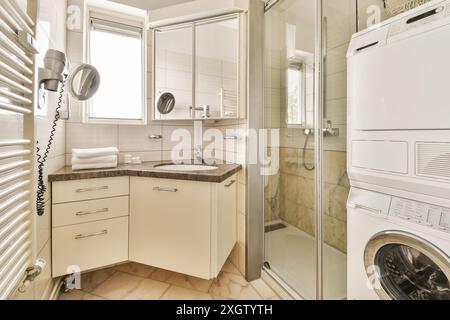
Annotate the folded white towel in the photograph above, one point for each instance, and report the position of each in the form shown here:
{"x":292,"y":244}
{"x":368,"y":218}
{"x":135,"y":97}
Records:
{"x":96,"y":160}
{"x":88,"y":166}
{"x":96,"y":152}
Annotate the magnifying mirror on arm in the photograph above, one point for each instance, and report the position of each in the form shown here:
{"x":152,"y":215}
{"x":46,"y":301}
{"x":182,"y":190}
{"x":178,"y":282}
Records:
{"x":83,"y":81}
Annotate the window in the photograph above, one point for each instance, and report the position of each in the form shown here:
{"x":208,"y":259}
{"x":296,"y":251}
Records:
{"x":296,"y":94}
{"x":117,"y":50}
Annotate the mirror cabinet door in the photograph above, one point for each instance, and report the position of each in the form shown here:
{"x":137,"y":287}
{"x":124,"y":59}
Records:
{"x":217,"y":68}
{"x":173,"y":66}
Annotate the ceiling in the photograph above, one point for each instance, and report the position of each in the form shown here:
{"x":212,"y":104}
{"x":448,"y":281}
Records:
{"x":150,"y":4}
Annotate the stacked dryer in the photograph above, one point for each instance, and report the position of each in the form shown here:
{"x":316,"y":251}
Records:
{"x":399,"y":157}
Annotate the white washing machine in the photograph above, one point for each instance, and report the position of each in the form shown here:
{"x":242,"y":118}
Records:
{"x":397,"y":248}
{"x":399,"y":157}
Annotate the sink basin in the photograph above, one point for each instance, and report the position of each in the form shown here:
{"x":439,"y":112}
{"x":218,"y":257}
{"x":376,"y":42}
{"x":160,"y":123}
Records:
{"x":185,"y":167}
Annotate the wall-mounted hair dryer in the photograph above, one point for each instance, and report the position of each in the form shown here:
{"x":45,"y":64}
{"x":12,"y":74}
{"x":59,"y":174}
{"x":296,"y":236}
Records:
{"x":83,"y":84}
{"x":55,"y":63}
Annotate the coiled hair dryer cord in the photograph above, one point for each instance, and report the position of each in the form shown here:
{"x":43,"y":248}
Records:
{"x":41,"y":159}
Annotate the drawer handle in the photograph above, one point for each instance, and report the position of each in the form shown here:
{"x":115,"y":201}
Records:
{"x":230,"y":138}
{"x":90,"y":235}
{"x":92,"y":189}
{"x":85,"y":213}
{"x":165,"y":189}
{"x":362,"y":207}
{"x":230,"y":184}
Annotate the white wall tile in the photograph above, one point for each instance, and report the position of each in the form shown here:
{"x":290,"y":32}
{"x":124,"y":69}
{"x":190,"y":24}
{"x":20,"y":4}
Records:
{"x":43,"y":228}
{"x":209,"y":66}
{"x":178,"y":61}
{"x":179,"y":80}
{"x":80,"y":135}
{"x":175,"y":136}
{"x":75,"y":47}
{"x":44,"y":283}
{"x":136,"y":138}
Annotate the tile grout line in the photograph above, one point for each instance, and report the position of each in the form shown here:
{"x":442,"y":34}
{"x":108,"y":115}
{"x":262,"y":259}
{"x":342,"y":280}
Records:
{"x":165,"y":291}
{"x":102,"y":282}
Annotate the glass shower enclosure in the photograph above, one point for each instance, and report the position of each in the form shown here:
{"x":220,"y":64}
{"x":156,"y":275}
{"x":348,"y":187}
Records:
{"x":305,"y":99}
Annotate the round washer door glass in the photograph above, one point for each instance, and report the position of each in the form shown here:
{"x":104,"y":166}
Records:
{"x":408,"y":274}
{"x":408,"y":269}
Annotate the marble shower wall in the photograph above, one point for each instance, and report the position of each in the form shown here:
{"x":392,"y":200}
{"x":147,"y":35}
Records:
{"x":297,"y":194}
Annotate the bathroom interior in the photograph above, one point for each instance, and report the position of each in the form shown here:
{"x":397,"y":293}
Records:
{"x":171,"y":99}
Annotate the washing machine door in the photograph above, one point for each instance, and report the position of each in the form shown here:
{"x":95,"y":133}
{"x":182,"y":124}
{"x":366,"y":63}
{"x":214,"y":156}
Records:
{"x":401,"y":266}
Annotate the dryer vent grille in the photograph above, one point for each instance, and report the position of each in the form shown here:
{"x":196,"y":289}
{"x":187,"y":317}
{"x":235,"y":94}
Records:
{"x":433,"y":160}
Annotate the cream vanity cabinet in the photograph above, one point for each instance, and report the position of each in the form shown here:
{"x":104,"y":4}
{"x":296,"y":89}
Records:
{"x":183,"y":226}
{"x":89,"y":224}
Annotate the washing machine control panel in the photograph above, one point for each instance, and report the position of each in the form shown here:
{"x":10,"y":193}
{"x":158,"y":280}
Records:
{"x":421,"y":213}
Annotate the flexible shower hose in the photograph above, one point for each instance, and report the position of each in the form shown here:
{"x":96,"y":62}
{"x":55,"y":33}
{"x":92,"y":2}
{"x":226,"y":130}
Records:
{"x":305,"y":165}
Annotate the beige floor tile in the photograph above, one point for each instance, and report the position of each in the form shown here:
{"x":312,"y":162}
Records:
{"x":161,"y":275}
{"x":178,"y":293}
{"x":90,"y":281}
{"x":263,"y":289}
{"x":123,"y":286}
{"x":230,"y":268}
{"x":148,"y":290}
{"x":136,"y":269}
{"x":189,"y":282}
{"x":78,"y":295}
{"x":234,"y":287}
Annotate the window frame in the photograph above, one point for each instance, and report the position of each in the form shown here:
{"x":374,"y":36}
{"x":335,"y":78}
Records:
{"x":126,"y":20}
{"x":301,"y":68}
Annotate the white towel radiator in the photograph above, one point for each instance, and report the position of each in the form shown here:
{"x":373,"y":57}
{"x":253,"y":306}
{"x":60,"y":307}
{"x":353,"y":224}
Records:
{"x":16,"y":156}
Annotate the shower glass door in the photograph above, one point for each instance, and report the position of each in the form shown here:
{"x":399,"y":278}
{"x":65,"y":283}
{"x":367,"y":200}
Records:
{"x":305,"y":202}
{"x":338,"y":25}
{"x":290,"y":208}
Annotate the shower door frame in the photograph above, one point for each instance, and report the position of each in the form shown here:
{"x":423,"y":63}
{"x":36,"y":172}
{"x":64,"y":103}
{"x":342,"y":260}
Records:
{"x":254,"y":262}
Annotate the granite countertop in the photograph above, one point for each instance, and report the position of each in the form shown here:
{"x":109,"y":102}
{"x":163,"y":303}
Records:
{"x":150,"y":170}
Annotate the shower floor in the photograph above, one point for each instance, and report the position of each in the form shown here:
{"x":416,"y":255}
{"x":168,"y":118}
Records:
{"x":291,"y":254}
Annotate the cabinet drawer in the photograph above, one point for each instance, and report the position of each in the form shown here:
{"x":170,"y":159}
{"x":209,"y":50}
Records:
{"x":79,"y":190}
{"x":87,"y":211}
{"x":90,"y":245}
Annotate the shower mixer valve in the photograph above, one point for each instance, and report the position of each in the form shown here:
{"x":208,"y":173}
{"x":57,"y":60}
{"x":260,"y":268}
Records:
{"x":328,"y":131}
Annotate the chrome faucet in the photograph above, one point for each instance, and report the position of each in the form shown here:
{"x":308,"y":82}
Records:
{"x":204,"y":109}
{"x":198,"y":154}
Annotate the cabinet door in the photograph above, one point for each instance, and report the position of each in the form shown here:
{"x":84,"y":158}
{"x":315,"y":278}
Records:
{"x":170,"y":225}
{"x":225,"y":223}
{"x":173,"y":65}
{"x":217,"y":68}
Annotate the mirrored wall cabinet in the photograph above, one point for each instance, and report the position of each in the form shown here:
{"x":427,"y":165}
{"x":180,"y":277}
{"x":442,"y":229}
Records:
{"x":198,"y":69}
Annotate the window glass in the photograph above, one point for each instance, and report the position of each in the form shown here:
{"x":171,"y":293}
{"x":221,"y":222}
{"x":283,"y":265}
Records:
{"x":117,"y":54}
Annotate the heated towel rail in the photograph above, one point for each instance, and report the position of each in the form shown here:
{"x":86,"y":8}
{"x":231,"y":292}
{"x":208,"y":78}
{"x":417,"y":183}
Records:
{"x":16,"y":102}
